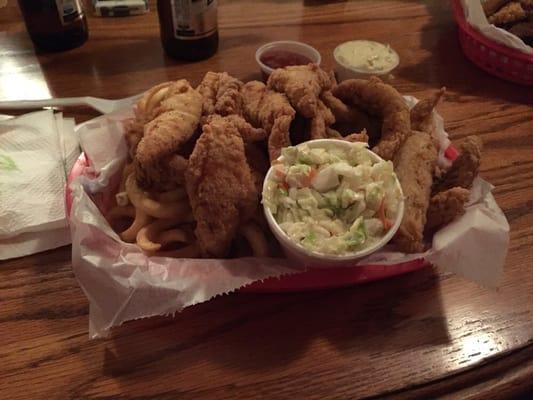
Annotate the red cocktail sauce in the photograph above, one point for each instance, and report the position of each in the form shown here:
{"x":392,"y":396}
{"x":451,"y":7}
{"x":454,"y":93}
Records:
{"x":282,"y":58}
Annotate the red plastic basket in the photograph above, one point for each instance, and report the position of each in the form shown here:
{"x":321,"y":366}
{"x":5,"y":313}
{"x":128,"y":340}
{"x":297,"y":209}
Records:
{"x":497,"y":59}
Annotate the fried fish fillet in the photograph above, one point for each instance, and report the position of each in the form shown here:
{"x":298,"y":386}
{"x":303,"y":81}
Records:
{"x":208,"y":89}
{"x":512,"y":12}
{"x":491,"y":6}
{"x":357,"y":137}
{"x":133,"y":133}
{"x":229,"y":98}
{"x":323,"y":119}
{"x":445,"y":206}
{"x":176,"y":116}
{"x":422,"y":113}
{"x":302,"y":84}
{"x":221,"y":94}
{"x":341,"y":111}
{"x":380,"y":99}
{"x":271,"y":111}
{"x":247,"y":131}
{"x":348,"y":117}
{"x":414,"y":165}
{"x":220,"y":187}
{"x":148,"y":106}
{"x":465,"y":167}
{"x":258,"y":162}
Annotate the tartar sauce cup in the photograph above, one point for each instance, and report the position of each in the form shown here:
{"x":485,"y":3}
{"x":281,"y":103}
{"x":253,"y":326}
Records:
{"x":288,"y":46}
{"x":362,"y":51}
{"x":310,"y":258}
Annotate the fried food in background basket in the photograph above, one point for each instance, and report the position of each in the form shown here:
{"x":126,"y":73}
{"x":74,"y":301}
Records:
{"x":513,"y":16}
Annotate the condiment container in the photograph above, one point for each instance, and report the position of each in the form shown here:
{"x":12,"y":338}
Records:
{"x":285,"y":47}
{"x":364,"y":58}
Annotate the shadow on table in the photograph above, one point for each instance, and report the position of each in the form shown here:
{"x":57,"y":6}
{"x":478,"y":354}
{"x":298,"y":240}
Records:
{"x":96,"y":60}
{"x":314,"y":3}
{"x":261,"y":332}
{"x":106,"y":58}
{"x":446,"y":65}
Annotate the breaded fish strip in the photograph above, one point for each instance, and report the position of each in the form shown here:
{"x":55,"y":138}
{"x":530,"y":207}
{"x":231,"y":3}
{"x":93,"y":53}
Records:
{"x":323,"y":119}
{"x":220,"y":186}
{"x":512,"y":12}
{"x":380,"y":99}
{"x":229,"y":99}
{"x":279,"y":136}
{"x":221,"y":94}
{"x":208,"y":88}
{"x":259,"y":164}
{"x":357,"y":137}
{"x":445,"y":206}
{"x":491,"y":6}
{"x":147,"y":107}
{"x":422,"y":113}
{"x":302,"y":84}
{"x":177,"y":113}
{"x":465,"y":167}
{"x":414,"y":165}
{"x":271,"y":111}
{"x":247,"y":131}
{"x":341,"y":111}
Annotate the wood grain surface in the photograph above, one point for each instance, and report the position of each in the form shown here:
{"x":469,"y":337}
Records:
{"x":422,"y":335}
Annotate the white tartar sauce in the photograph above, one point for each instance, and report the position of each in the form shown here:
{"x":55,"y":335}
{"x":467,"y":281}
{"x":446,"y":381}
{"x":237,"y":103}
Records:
{"x":366,"y":55}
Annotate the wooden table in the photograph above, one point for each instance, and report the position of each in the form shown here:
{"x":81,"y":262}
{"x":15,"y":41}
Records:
{"x":421,"y":335}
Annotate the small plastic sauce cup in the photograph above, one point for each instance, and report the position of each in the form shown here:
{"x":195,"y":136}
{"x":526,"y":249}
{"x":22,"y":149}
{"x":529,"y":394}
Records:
{"x":289,"y":46}
{"x":344,"y":71}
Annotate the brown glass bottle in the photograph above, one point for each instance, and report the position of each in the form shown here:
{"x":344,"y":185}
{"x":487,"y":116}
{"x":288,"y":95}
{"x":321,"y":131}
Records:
{"x":55,"y":25}
{"x":188,"y":28}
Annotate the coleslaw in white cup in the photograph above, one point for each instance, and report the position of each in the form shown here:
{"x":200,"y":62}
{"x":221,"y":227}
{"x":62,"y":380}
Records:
{"x":332,"y":202}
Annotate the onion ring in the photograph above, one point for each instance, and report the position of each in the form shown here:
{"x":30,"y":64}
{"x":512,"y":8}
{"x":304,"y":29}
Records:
{"x":153,"y":97}
{"x":383,"y":100}
{"x":147,"y":236}
{"x":141,"y":219}
{"x":173,"y":236}
{"x":153,"y":207}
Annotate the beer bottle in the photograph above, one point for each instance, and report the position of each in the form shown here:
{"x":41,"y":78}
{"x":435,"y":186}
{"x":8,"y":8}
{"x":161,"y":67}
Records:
{"x":55,"y":25}
{"x":188,"y":28}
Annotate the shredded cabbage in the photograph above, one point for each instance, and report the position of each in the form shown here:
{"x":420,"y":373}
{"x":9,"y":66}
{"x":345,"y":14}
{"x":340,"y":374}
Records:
{"x":332,"y":201}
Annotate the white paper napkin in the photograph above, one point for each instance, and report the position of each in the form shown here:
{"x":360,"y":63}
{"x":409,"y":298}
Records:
{"x":36,"y":152}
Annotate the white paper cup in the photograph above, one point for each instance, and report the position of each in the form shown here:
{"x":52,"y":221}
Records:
{"x":309,"y":258}
{"x":344,"y":71}
{"x":286,"y":45}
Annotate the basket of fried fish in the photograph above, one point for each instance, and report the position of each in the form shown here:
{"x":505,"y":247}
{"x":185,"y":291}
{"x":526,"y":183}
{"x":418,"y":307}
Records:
{"x":197,"y":158}
{"x":185,"y":172}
